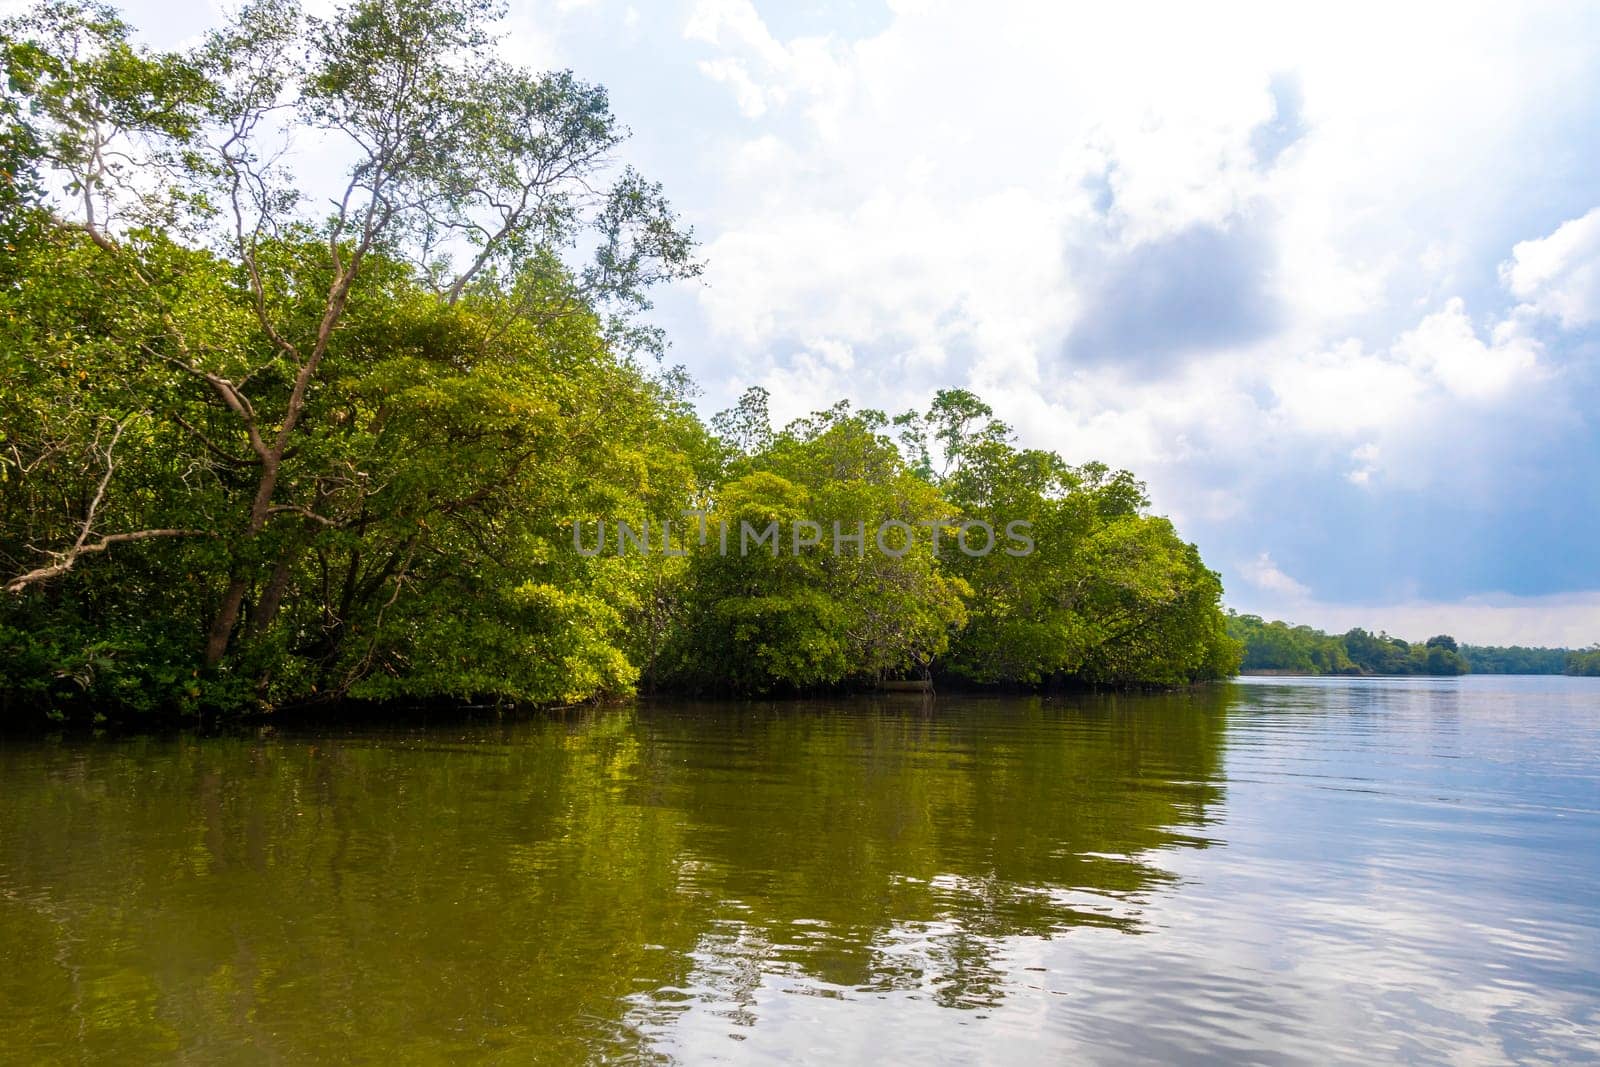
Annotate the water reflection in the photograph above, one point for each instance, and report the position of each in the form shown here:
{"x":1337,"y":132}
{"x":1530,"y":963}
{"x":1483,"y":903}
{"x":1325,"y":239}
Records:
{"x":1320,"y":869}
{"x":551,"y":884}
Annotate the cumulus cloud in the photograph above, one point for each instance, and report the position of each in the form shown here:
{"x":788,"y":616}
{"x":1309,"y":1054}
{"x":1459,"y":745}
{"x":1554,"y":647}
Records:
{"x":1559,"y":275}
{"x":762,"y":72}
{"x":1445,"y":349}
{"x":1264,"y":574}
{"x":1437,"y":381}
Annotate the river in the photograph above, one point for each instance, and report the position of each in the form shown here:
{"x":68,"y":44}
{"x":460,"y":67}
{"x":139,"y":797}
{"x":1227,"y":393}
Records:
{"x":1274,"y":870}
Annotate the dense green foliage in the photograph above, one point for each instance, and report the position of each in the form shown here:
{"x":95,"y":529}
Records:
{"x":816,"y":615}
{"x":1277,"y":646}
{"x":1585,"y":662}
{"x":255,"y":451}
{"x":1073,"y":581}
{"x":1109,"y":594}
{"x":1515,"y":659}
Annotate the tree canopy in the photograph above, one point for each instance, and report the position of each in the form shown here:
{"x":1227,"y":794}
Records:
{"x":264,"y":442}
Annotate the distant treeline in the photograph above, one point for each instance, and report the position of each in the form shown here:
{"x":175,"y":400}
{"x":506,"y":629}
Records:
{"x":1516,"y":659}
{"x":1278,"y":646}
{"x":1585,"y":662}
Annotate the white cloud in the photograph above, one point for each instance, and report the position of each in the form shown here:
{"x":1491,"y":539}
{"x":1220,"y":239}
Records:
{"x":762,"y":72}
{"x":812,"y":379}
{"x":1559,"y":275}
{"x":1366,"y":463}
{"x":1437,"y":378}
{"x":751,"y":97}
{"x":733,"y":24}
{"x":1445,"y":349}
{"x":1264,"y":574}
{"x":1346,"y":391}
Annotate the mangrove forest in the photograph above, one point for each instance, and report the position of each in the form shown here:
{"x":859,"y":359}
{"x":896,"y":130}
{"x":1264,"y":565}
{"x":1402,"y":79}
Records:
{"x":269,"y":439}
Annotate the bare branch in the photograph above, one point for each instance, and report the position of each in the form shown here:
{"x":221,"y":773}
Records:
{"x":66,"y":560}
{"x":236,"y":401}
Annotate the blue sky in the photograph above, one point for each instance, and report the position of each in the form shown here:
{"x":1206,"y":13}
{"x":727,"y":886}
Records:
{"x":1329,"y":282}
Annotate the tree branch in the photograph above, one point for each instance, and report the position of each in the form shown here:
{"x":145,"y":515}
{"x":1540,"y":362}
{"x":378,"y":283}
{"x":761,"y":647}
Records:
{"x":66,"y":560}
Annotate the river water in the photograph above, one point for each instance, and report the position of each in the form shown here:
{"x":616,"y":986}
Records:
{"x":1276,"y":870}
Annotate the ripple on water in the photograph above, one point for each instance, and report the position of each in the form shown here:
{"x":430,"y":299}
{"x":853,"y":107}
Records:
{"x":1300,"y":870}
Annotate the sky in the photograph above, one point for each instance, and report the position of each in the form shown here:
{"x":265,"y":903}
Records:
{"x":1328,"y":281}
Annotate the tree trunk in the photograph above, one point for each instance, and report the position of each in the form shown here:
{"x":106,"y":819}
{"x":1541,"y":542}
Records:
{"x":266,"y":609}
{"x":221,"y":634}
{"x":222,"y":625}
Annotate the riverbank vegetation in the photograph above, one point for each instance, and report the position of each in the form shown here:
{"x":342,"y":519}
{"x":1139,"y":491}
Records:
{"x":1278,"y":647}
{"x":1516,"y":659}
{"x":279,"y":428}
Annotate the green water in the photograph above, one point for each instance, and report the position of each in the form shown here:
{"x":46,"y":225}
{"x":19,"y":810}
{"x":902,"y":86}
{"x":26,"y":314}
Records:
{"x":1305,"y":870}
